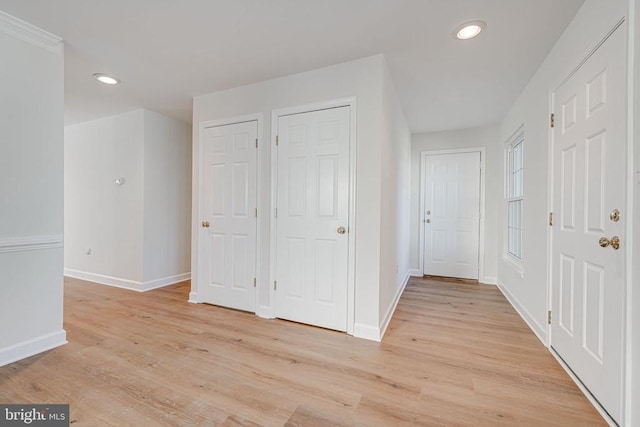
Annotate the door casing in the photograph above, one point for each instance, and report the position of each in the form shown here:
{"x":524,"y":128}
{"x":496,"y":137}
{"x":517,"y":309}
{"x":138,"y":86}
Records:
{"x":423,"y":160}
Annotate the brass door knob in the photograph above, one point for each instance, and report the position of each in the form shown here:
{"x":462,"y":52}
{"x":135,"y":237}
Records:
{"x":614,"y":242}
{"x":615,"y":215}
{"x":205,"y":224}
{"x":341,"y":230}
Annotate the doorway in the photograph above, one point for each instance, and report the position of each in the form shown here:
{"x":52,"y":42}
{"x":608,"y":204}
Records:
{"x":451,"y":213}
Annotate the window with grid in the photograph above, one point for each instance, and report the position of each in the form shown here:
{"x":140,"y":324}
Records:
{"x":515,"y":196}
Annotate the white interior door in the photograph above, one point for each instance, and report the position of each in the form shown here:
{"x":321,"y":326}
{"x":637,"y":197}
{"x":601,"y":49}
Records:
{"x":228,"y":183}
{"x":452,"y":215}
{"x":312,"y":218}
{"x":589,"y":143}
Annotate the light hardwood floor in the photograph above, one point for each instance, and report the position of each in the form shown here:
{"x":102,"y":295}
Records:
{"x":454,"y":354}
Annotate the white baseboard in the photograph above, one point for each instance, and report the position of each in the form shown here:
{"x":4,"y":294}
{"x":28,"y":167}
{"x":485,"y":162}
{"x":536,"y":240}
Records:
{"x":414,"y":272}
{"x":32,"y":347}
{"x":265,"y":312}
{"x":537,"y":328}
{"x":131,"y":285}
{"x":394,"y":304}
{"x":583,"y":389}
{"x":372,"y":333}
{"x":103,"y":280}
{"x":489,"y":280}
{"x":366,"y":332}
{"x":193,"y":298}
{"x":165,"y":281}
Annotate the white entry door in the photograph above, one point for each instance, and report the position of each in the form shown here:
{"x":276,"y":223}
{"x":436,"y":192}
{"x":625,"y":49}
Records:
{"x":452,"y":215}
{"x":589,"y":144}
{"x":312,"y":217}
{"x":228,"y":183}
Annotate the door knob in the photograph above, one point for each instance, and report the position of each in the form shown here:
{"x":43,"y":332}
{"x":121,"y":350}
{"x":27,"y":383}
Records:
{"x":614,"y":242}
{"x":341,"y":230}
{"x":615,"y":215}
{"x":205,"y":224}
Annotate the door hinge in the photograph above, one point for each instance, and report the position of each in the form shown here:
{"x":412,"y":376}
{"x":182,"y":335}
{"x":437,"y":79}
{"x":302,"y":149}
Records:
{"x":550,"y":218}
{"x":275,"y":285}
{"x":553,"y":120}
{"x":277,"y":140}
{"x":275,"y":213}
{"x":549,"y":317}
{"x":256,"y":212}
{"x":255,"y":281}
{"x":256,"y":142}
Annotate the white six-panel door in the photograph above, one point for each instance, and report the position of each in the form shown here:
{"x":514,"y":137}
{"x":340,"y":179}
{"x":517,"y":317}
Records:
{"x":452,"y":215}
{"x":312,"y":217}
{"x":589,"y":143}
{"x":228,"y":217}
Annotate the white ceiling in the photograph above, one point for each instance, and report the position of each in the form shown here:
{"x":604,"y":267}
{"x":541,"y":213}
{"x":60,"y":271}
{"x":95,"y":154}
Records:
{"x":168,"y":51}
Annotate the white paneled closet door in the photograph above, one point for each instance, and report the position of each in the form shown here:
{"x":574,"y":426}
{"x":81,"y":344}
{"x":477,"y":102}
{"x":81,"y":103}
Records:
{"x":589,"y":244}
{"x":228,"y":183}
{"x":313,"y":217}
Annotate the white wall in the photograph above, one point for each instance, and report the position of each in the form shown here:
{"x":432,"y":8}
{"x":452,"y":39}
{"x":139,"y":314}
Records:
{"x":487,"y":137}
{"x":99,"y":215}
{"x":395,"y":201}
{"x":361,"y":78}
{"x":31,"y":190}
{"x":167,"y":198}
{"x":530,"y":294}
{"x":138,"y":233}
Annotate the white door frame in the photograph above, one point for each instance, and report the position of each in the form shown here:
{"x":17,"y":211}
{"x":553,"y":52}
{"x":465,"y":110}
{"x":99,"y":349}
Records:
{"x":351,"y":276}
{"x":423,"y":160}
{"x":196,"y":245}
{"x":628,"y":201}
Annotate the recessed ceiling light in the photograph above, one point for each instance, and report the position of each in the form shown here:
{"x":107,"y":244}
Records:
{"x":108,"y":80}
{"x":469,"y":30}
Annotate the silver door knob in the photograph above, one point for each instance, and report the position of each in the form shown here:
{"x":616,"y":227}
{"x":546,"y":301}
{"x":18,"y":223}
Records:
{"x":205,"y":224}
{"x":341,"y":230}
{"x":614,"y":242}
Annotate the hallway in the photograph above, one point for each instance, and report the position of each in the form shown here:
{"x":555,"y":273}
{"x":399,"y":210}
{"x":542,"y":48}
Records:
{"x":454,"y":354}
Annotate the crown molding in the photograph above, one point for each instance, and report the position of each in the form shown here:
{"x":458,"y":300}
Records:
{"x":29,"y":33}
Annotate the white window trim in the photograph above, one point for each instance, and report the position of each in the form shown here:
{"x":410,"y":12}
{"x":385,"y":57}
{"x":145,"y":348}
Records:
{"x":516,"y":264}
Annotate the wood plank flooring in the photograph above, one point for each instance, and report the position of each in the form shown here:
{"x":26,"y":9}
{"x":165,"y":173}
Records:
{"x":454,"y":354}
